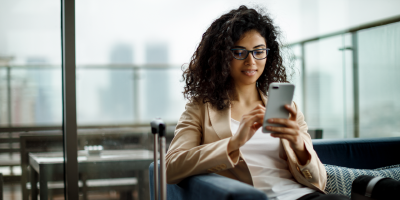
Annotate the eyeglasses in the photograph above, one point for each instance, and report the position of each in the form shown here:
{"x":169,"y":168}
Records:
{"x":258,"y":54}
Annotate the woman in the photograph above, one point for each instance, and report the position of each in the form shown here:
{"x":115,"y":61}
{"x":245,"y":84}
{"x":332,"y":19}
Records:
{"x":219,"y":132}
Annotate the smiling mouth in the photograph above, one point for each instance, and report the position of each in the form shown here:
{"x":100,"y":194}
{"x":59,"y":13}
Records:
{"x":250,"y":72}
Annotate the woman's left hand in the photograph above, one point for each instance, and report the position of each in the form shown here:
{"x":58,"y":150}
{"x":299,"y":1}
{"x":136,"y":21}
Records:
{"x":290,"y":132}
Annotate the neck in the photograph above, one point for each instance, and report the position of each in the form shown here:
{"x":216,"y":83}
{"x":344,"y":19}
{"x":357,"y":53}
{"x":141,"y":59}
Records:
{"x":246,"y":94}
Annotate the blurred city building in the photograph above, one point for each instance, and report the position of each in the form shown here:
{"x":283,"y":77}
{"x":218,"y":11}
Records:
{"x":117,"y":98}
{"x":156,"y":85}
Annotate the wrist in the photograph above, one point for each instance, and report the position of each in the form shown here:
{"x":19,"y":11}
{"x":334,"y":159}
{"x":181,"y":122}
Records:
{"x":302,"y":154}
{"x":233,"y":145}
{"x":298,"y":145}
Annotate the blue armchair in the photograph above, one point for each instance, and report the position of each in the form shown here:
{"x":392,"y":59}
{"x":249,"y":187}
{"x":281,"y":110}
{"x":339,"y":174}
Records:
{"x":352,"y":153}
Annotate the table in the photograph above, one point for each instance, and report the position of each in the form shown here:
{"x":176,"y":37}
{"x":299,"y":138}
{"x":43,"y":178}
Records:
{"x":108,"y":164}
{"x":50,"y":141}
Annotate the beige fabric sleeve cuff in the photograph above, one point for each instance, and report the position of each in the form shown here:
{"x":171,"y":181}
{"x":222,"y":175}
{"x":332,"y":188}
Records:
{"x":234,"y":157}
{"x":301,"y":167}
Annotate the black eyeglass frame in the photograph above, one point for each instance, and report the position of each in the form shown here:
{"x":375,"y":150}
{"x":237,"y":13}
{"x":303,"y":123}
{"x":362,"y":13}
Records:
{"x":252,"y":53}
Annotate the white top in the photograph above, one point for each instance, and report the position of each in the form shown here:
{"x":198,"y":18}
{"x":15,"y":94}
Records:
{"x":270,"y":173}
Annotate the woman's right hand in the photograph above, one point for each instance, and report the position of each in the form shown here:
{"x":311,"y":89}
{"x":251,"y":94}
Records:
{"x":248,"y":126}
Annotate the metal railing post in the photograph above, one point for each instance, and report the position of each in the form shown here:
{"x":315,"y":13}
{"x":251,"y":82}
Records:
{"x":69,"y":122}
{"x":9,"y":112}
{"x":136,"y":94}
{"x":356,"y":97}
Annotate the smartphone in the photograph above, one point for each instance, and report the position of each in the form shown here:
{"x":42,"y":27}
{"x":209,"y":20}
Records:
{"x":279,"y":94}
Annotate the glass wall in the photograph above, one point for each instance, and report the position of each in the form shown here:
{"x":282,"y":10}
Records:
{"x":330,"y":90}
{"x":379,"y":72}
{"x":30,"y":94}
{"x":36,"y":95}
{"x":295,"y":72}
{"x":160,"y":94}
{"x":110,"y":88}
{"x":348,"y":86}
{"x":4,"y":118}
{"x":129,"y":94}
{"x":326,"y":86}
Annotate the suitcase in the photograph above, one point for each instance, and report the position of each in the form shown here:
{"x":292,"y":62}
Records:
{"x":158,"y":130}
{"x":375,"y":188}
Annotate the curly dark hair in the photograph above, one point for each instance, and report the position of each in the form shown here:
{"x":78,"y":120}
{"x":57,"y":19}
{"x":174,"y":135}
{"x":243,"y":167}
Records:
{"x":208,"y":76}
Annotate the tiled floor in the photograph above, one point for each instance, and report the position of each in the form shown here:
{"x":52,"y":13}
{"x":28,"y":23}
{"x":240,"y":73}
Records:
{"x":12,"y":191}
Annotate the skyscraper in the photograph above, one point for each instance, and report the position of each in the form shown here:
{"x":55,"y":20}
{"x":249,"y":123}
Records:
{"x":156,"y":87}
{"x":117,"y":99}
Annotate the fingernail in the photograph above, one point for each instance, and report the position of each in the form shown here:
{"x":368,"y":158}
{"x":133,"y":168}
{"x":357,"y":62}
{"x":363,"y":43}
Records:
{"x":270,"y":120}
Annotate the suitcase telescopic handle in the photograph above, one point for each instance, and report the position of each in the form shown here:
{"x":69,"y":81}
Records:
{"x":158,"y":129}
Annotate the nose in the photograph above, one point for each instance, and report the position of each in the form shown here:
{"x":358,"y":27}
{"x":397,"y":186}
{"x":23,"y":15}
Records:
{"x":250,"y":59}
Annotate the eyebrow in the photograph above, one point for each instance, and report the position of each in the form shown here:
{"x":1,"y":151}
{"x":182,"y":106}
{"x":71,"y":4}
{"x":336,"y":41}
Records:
{"x":253,"y":47}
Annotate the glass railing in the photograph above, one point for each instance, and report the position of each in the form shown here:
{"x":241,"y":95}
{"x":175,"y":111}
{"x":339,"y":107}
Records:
{"x":351,"y":81}
{"x":106,"y":95}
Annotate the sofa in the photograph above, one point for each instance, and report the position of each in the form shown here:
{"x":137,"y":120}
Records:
{"x":344,"y":159}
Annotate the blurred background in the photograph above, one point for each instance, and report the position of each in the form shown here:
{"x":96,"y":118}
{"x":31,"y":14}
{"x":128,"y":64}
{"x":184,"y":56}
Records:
{"x":345,"y":58}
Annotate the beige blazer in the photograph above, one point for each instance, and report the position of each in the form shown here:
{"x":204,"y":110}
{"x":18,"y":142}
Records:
{"x":201,"y":142}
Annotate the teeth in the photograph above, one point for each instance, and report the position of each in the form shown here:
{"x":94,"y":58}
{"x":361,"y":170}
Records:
{"x":250,"y":72}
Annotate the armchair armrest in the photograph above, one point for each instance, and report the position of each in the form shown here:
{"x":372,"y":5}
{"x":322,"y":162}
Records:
{"x":210,"y":187}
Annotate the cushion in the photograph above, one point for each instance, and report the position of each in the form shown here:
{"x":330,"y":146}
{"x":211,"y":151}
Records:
{"x":340,"y":178}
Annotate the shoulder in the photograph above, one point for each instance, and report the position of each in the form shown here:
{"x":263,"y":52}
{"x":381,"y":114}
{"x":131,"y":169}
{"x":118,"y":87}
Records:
{"x":194,"y":104}
{"x":194,"y":109}
{"x":193,"y":117}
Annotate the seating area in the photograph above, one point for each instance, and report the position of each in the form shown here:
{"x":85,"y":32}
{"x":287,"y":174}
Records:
{"x":51,"y":141}
{"x":344,"y":159}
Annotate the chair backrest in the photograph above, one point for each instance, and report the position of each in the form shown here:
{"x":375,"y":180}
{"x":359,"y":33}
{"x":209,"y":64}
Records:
{"x":359,"y":153}
{"x":315,"y":133}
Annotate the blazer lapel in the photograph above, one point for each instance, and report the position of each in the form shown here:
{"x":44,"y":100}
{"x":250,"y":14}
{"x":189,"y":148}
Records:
{"x":220,"y":121}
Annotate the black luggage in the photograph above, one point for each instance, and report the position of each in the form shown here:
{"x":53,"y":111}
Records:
{"x":375,"y":188}
{"x":158,"y":129}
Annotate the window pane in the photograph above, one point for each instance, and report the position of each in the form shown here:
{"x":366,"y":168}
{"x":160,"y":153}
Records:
{"x":324,"y":106}
{"x":30,"y":92}
{"x":379,"y":72}
{"x":109,"y":88}
{"x":161,"y":94}
{"x":348,"y":86}
{"x":36,"y":96}
{"x":296,"y":75}
{"x":30,"y":45}
{"x":4,"y":112}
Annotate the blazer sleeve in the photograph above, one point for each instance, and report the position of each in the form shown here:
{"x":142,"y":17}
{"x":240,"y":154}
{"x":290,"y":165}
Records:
{"x":313,"y":172}
{"x":187,"y":155}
